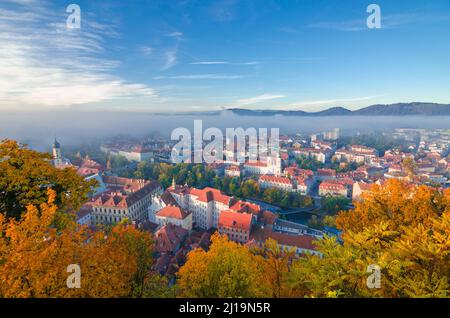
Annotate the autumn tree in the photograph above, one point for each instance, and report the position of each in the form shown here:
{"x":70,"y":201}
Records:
{"x":227,"y":269}
{"x":25,"y":176}
{"x":275,"y":262}
{"x":34,"y":257}
{"x":398,"y":204}
{"x":399,"y":227}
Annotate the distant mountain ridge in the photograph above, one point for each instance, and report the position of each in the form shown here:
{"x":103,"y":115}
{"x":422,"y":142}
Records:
{"x":398,"y":109}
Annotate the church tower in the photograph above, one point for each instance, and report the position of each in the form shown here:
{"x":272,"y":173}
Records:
{"x":57,"y":156}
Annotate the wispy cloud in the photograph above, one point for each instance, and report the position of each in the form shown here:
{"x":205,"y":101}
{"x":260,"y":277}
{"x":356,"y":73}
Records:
{"x":171,"y":59}
{"x":257,"y":99}
{"x":171,"y":55}
{"x":42,"y":62}
{"x":175,"y":34}
{"x":327,"y":102}
{"x":387,"y":21}
{"x":200,"y":77}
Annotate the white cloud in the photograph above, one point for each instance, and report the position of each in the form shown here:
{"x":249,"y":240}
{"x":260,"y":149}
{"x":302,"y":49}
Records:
{"x":44,"y":63}
{"x":257,"y":99}
{"x":387,"y":22}
{"x":171,"y":59}
{"x":176,"y":34}
{"x":327,"y":102}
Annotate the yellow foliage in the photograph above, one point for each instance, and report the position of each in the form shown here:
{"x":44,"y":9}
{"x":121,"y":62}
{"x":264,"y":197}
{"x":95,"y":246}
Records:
{"x":34,"y":257}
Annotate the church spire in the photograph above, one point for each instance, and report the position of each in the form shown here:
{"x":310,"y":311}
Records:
{"x":173,"y":183}
{"x":56,"y":144}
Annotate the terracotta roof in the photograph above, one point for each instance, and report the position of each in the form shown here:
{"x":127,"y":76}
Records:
{"x":168,"y":237}
{"x":332,"y":186}
{"x":299,"y":241}
{"x":256,"y":164}
{"x":210,"y":194}
{"x":231,"y":219}
{"x":124,"y":192}
{"x":247,"y":207}
{"x":275,"y":179}
{"x":173,"y":212}
{"x":295,"y":171}
{"x":125,"y":184}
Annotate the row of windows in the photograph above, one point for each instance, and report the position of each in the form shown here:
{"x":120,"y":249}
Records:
{"x":232,"y":230}
{"x":233,"y":236}
{"x":114,"y":211}
{"x":108,"y":219}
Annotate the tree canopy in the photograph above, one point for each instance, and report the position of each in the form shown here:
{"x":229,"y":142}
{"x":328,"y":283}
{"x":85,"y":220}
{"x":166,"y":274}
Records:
{"x":26,"y":175}
{"x":34,"y":257}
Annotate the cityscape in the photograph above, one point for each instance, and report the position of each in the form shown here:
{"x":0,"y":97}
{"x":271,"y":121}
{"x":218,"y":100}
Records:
{"x":128,"y":172}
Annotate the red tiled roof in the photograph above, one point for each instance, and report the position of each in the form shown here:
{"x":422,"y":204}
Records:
{"x":326,"y":185}
{"x":295,"y":171}
{"x":123,"y":192}
{"x":210,"y":194}
{"x":256,"y":164}
{"x":267,"y":178}
{"x":231,"y":219}
{"x":247,"y":207}
{"x":168,"y":237}
{"x":300,"y":241}
{"x":173,"y":212}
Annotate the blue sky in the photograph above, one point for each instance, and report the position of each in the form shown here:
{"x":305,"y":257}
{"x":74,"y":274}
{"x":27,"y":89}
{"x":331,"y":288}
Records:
{"x":207,"y":55}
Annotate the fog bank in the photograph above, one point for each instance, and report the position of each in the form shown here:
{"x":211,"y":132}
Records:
{"x":73,"y":128}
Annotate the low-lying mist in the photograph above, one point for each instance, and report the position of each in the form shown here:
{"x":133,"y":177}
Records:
{"x":73,"y":128}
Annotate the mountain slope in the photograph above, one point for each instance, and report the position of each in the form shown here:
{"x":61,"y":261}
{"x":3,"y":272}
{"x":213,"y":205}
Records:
{"x":399,"y":109}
